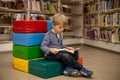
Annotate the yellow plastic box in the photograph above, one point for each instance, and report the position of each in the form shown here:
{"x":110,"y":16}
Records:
{"x":21,"y":64}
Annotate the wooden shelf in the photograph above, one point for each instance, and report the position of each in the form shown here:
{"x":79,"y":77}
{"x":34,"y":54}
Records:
{"x":5,"y":41}
{"x":104,"y":40}
{"x":109,"y":27}
{"x":3,"y":9}
{"x":5,"y":26}
{"x":70,"y":3}
{"x":72,"y":14}
{"x":91,"y":26}
{"x":90,"y":1}
{"x":38,"y":12}
{"x":54,"y":0}
{"x":91,"y":14}
{"x":110,"y":11}
{"x":101,"y":26}
{"x":8,"y":0}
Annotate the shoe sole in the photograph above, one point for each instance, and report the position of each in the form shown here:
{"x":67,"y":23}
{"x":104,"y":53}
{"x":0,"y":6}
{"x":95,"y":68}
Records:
{"x":72,"y":74}
{"x":88,"y":76}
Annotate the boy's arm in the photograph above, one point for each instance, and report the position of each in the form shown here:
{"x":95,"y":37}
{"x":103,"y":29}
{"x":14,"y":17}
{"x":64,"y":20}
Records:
{"x":45,"y":43}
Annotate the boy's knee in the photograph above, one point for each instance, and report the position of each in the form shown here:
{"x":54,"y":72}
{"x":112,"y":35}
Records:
{"x":66,"y":56}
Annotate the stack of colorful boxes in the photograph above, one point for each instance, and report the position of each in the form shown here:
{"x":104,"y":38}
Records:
{"x":27,"y":38}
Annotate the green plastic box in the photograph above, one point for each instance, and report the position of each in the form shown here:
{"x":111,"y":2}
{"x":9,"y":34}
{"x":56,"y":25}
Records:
{"x":27,"y":52}
{"x":45,"y":69}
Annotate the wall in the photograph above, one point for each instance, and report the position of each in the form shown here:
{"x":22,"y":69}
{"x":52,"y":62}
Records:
{"x":6,"y":46}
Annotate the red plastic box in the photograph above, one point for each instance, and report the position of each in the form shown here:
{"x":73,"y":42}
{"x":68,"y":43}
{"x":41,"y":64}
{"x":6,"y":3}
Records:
{"x":80,"y":60}
{"x":30,"y":26}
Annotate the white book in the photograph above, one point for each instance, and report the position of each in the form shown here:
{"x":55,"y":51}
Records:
{"x":68,"y":51}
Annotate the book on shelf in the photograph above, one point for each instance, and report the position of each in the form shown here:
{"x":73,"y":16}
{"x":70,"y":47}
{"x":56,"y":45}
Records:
{"x":109,"y":4}
{"x":68,"y":51}
{"x":112,"y":19}
{"x":91,"y":33}
{"x":110,"y":35}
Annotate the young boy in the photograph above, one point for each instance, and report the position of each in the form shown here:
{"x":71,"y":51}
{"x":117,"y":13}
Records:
{"x":52,"y":42}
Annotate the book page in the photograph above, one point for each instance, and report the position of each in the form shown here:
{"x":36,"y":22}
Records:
{"x":77,"y":48}
{"x":66,"y":50}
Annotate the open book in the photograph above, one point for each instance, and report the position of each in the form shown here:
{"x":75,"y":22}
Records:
{"x":67,"y":50}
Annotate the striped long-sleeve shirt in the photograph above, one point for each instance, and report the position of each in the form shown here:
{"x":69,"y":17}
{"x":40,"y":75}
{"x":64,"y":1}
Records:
{"x":51,"y":41}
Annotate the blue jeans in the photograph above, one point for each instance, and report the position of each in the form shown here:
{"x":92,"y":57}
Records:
{"x":67,"y":59}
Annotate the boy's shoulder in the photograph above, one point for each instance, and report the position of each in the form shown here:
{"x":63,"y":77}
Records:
{"x":49,"y":32}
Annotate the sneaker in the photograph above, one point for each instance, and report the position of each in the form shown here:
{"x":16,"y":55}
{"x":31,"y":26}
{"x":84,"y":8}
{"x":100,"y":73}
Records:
{"x":69,"y":71}
{"x":86,"y":73}
{"x":76,"y":73}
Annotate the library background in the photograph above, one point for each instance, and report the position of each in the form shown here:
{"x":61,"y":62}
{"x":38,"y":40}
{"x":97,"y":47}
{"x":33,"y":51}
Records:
{"x":93,"y":25}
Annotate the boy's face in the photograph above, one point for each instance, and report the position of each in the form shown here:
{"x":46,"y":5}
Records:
{"x":58,"y":28}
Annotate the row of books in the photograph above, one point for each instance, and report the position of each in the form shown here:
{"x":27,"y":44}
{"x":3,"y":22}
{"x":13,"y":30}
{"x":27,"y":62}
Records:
{"x":109,"y":4}
{"x":5,"y":30}
{"x":106,"y":20}
{"x":23,"y":16}
{"x":5,"y":19}
{"x":51,"y":7}
{"x":91,"y":20}
{"x":110,"y":19}
{"x":101,"y":6}
{"x":91,"y":33}
{"x":111,"y":35}
{"x":44,"y":6}
{"x":35,"y":5}
{"x":20,"y":16}
{"x":66,"y":10}
{"x":90,"y":8}
{"x":8,"y":5}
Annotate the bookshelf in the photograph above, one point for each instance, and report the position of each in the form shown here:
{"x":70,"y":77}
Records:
{"x":73,"y":9}
{"x":7,"y":15}
{"x":32,"y":9}
{"x":11,"y":10}
{"x":102,"y":23}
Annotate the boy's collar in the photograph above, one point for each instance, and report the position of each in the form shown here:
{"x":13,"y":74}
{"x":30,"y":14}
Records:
{"x":53,"y":31}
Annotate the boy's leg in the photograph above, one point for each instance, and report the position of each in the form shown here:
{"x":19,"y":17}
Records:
{"x":67,"y":59}
{"x":75,"y":55}
{"x":70,"y":60}
{"x":70,"y":71}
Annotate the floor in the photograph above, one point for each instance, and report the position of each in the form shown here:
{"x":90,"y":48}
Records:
{"x":104,"y":64}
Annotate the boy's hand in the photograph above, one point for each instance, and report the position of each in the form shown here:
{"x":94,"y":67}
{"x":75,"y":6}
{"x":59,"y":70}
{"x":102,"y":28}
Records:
{"x":71,"y":48}
{"x":54,"y":50}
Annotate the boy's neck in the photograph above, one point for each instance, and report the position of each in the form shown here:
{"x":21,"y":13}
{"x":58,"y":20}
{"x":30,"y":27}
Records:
{"x":53,"y":31}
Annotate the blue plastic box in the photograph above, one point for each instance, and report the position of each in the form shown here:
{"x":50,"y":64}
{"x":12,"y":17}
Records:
{"x":28,"y":39}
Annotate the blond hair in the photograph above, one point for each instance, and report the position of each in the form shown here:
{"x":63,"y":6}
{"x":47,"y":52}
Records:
{"x":60,"y":18}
